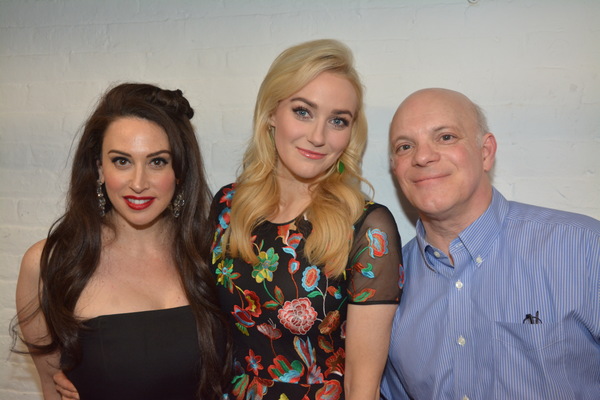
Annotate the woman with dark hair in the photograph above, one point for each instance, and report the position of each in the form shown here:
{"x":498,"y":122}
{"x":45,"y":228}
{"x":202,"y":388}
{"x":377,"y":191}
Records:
{"x":120,"y":295}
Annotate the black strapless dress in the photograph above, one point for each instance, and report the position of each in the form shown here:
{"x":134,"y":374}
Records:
{"x":142,"y":355}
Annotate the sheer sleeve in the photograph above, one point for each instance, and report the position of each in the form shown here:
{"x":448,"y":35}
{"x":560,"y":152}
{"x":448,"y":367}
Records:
{"x":375,"y":262}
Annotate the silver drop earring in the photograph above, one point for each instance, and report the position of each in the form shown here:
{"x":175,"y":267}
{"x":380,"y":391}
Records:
{"x":177,"y":205}
{"x":101,"y":199}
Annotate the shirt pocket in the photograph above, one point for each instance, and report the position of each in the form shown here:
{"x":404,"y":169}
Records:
{"x":528,"y":337}
{"x":529,"y":361}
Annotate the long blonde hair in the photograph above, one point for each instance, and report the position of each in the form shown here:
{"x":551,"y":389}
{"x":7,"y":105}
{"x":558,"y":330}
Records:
{"x":337,"y":199}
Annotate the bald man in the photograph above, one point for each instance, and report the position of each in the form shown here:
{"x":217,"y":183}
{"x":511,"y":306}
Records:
{"x":501,"y":299}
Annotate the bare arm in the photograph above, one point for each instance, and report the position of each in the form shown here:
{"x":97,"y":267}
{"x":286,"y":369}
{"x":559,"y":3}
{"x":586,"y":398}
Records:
{"x":65,"y":387}
{"x":368,"y":329}
{"x":34,"y":329}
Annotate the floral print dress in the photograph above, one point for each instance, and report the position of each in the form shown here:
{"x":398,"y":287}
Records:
{"x":288,"y":316}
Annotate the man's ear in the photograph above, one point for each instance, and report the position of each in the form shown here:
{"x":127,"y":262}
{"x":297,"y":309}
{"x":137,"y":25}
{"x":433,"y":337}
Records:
{"x":488,"y":151}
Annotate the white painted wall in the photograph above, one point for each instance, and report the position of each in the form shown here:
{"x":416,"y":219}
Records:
{"x":534,"y":65}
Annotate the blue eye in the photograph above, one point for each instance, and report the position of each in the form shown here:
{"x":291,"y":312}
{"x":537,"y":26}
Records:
{"x":301,"y":112}
{"x":340,"y":122}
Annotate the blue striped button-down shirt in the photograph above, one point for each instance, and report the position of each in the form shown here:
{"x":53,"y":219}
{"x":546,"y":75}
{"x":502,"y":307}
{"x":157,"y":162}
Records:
{"x":516,"y":317}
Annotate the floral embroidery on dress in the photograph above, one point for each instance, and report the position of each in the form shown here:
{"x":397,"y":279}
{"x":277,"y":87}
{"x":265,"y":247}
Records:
{"x":297,"y":315}
{"x":289,"y":315}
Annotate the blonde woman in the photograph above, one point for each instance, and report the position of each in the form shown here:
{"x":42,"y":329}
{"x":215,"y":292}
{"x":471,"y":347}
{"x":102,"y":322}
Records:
{"x":307,"y":268}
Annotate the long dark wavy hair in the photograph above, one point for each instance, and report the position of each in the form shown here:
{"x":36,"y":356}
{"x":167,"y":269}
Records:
{"x":72,"y":250}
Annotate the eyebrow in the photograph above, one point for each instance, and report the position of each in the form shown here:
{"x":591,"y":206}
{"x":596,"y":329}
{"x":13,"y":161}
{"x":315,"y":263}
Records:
{"x":397,"y":139}
{"x":313,"y":105}
{"x":156,"y":153}
{"x":441,"y":128}
{"x":437,"y":129}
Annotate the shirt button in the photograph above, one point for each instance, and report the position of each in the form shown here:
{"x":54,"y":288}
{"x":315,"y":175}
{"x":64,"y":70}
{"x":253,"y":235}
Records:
{"x":437,"y":254}
{"x":478,"y":260}
{"x":465,"y":398}
{"x":458,"y":285}
{"x":461,"y":340}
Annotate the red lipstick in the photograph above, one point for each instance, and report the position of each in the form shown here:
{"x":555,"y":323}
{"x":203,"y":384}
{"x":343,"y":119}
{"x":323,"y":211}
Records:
{"x":138,"y":203}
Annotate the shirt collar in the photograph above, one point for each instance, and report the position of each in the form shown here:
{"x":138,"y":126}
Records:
{"x":479,"y":237}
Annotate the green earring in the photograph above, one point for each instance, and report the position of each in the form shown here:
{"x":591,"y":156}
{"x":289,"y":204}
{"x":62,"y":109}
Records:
{"x":271,"y":131}
{"x":340,"y":166}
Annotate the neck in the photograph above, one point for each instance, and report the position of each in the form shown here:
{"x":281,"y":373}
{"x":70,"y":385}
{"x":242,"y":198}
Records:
{"x":440,"y":233}
{"x":442,"y":229}
{"x":294,"y":198}
{"x":147,"y":238}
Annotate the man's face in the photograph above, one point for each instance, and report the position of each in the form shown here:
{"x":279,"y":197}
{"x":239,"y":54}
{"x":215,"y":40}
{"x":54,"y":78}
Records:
{"x":439,"y":157}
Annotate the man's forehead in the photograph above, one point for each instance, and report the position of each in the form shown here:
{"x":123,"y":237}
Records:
{"x":435,"y":101}
{"x":430,"y":119}
{"x":433,"y":115}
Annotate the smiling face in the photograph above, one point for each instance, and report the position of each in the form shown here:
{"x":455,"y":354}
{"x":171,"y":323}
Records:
{"x":313,"y":127}
{"x":440,"y":158}
{"x":136,"y":167}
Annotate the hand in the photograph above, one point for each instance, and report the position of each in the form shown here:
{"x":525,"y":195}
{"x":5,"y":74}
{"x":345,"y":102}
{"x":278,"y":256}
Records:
{"x":65,"y":387}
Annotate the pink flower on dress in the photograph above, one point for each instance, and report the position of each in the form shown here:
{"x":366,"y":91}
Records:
{"x":297,"y":315}
{"x":269,"y":330}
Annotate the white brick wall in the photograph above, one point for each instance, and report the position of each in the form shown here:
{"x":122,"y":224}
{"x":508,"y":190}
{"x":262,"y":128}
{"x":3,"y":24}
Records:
{"x":533,"y":65}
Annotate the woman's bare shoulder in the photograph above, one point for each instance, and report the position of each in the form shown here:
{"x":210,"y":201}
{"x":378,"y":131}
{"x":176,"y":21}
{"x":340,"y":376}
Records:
{"x":31,"y":259}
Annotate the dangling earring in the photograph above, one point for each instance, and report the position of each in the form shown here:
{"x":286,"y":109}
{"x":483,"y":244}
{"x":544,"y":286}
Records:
{"x":340,"y":166}
{"x":101,"y":199}
{"x":271,"y":130}
{"x":177,"y":205}
{"x":272,"y":134}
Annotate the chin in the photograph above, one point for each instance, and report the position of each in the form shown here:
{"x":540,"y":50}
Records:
{"x":430,"y":208}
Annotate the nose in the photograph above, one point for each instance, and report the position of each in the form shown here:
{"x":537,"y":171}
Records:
{"x":139,"y":180}
{"x":424,"y":154}
{"x":316,"y":136}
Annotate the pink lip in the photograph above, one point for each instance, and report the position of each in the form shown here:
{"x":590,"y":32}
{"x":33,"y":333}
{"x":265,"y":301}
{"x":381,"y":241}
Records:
{"x":313,"y":155}
{"x":138,"y":203}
